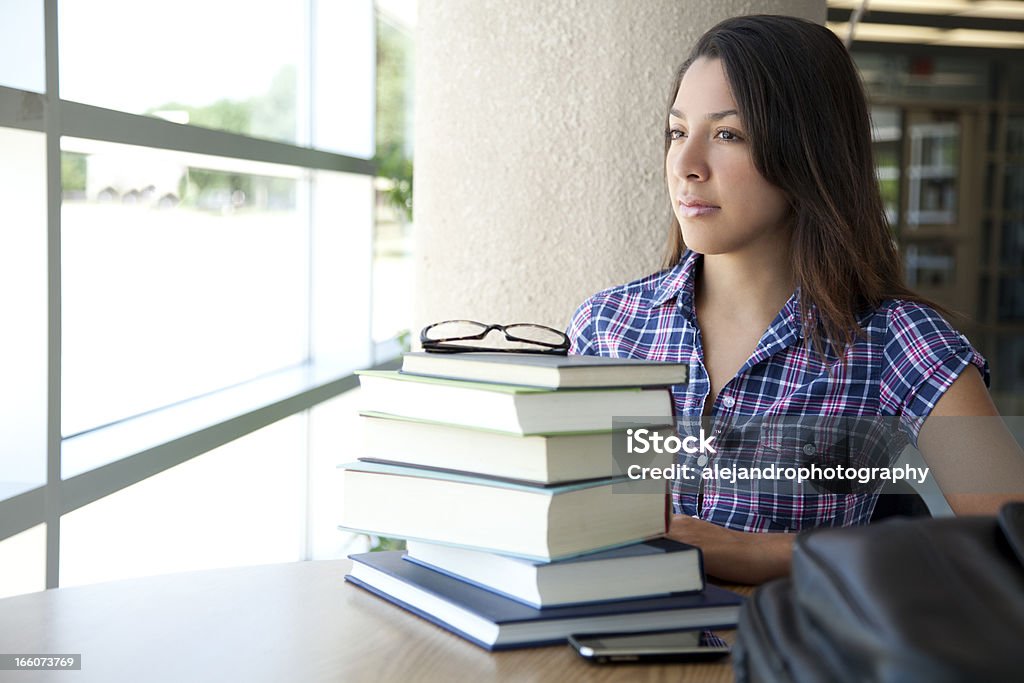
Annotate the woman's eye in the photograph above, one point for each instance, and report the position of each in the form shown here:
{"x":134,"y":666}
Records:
{"x":727,"y":135}
{"x":674,"y":134}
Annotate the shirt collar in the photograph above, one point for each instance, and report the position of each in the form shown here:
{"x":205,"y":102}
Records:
{"x":679,"y":282}
{"x":788,"y":319}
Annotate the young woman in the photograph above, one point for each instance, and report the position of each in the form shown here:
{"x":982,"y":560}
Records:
{"x":787,"y":298}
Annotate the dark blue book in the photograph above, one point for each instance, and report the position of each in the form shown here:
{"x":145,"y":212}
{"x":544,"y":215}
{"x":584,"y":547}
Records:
{"x":495,"y":622}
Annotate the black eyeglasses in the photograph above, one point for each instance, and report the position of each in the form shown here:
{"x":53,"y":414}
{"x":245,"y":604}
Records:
{"x":455,"y":336}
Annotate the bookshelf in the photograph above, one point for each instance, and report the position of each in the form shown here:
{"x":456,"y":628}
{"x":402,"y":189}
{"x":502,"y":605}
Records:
{"x":951,"y":173}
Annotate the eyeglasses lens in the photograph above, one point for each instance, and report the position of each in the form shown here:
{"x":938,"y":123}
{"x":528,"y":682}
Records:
{"x":454,"y":329}
{"x":536,"y":333}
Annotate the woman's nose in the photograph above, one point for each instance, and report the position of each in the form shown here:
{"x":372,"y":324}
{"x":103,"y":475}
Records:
{"x":690,"y":160}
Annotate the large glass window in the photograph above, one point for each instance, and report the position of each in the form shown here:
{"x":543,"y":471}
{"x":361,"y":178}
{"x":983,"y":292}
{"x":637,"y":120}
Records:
{"x":23,"y":298}
{"x":225,"y":66}
{"x":393,"y":272}
{"x":23,"y":558}
{"x":21,"y":45}
{"x":185,"y":271}
{"x":179,"y":277}
{"x":237,"y":504}
{"x":215,"y":64}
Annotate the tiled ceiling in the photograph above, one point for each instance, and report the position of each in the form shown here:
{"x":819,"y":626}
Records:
{"x":985,"y":24}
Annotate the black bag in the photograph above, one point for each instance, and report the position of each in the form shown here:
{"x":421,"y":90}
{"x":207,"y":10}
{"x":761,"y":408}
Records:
{"x":904,"y":600}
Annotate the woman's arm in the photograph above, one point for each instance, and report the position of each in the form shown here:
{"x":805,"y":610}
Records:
{"x":737,"y":556}
{"x":973,"y":457}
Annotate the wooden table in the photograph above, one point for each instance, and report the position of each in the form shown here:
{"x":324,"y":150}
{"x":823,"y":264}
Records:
{"x":289,"y":622}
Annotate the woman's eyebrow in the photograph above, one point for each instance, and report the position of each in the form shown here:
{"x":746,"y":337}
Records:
{"x":713,"y":116}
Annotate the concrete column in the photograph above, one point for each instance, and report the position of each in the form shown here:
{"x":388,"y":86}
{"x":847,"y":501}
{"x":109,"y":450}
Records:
{"x":539,"y":147}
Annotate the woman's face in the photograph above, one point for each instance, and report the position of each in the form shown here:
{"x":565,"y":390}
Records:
{"x":723,"y":204}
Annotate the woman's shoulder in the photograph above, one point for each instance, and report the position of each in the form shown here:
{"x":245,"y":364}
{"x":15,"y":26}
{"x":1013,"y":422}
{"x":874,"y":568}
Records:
{"x":905,"y":321}
{"x":646,"y":288}
{"x":623,"y":306}
{"x":923,"y":353}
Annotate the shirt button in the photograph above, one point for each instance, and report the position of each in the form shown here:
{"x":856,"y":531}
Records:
{"x":702,"y":460}
{"x":728,"y":401}
{"x":809,"y":449}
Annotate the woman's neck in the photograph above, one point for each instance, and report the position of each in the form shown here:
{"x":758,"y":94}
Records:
{"x":752,"y":285}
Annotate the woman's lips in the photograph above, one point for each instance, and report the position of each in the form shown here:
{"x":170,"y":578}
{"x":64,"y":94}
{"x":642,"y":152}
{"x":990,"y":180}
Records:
{"x":695,"y":208}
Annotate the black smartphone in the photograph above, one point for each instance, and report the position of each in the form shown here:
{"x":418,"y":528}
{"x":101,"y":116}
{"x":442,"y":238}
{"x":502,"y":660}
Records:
{"x":692,"y":645}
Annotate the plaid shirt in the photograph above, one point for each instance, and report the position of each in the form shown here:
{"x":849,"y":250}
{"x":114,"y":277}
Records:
{"x":786,"y":404}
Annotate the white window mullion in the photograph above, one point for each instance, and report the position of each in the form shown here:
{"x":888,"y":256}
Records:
{"x":21,"y":109}
{"x":96,"y":123}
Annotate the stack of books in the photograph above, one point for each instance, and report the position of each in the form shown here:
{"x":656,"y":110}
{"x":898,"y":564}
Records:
{"x":497,"y":469}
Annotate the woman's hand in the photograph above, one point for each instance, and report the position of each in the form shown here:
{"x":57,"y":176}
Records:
{"x":735,"y":556}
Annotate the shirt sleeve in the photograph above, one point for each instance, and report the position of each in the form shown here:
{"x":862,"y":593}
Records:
{"x":923,"y":355}
{"x":581,"y":331}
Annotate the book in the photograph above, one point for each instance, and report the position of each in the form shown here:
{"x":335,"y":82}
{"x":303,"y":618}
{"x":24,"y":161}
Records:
{"x":536,"y":458}
{"x":495,"y":622}
{"x":535,"y":522}
{"x":543,"y":370}
{"x":657,"y":567}
{"x":507,"y":408}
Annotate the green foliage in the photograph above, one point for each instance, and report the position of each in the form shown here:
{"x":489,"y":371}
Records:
{"x":405,"y":340}
{"x":394,"y":102}
{"x":380,"y":543}
{"x":393,"y":164}
{"x":72,"y":171}
{"x":273,"y":115}
{"x":394,"y":86}
{"x":229,"y":115}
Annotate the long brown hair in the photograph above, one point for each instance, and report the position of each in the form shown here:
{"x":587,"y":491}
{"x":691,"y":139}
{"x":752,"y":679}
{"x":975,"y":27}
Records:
{"x":804,"y":109}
